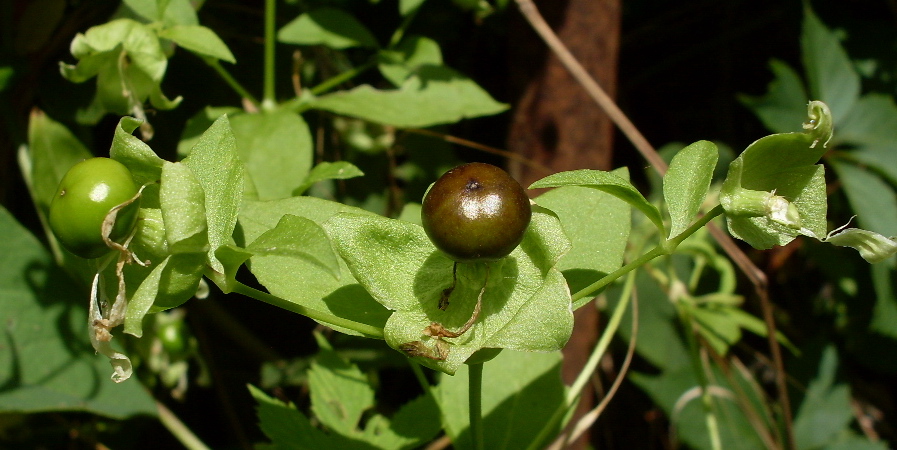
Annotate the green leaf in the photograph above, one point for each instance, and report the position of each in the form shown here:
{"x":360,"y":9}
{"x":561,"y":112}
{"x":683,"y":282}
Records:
{"x":526,"y":303}
{"x":47,"y":362}
{"x":340,"y":392}
{"x":298,"y":237}
{"x":129,"y":64}
{"x":402,"y":61}
{"x":686,"y":183}
{"x":214,"y":162}
{"x":339,"y":170}
{"x":297,"y":279}
{"x":597,"y":244}
{"x":53,"y":150}
{"x":330,"y":27}
{"x":285,"y":426}
{"x":870,"y":130}
{"x":871,"y":198}
{"x":408,"y":6}
{"x":183,"y":210}
{"x":605,"y":182}
{"x":139,"y":158}
{"x":199,"y":39}
{"x":830,"y":75}
{"x":520,"y":389}
{"x":825,"y":411}
{"x":783,"y":107}
{"x":434,"y":95}
{"x":171,"y":12}
{"x":276,"y":148}
{"x":779,"y":172}
{"x":199,"y":123}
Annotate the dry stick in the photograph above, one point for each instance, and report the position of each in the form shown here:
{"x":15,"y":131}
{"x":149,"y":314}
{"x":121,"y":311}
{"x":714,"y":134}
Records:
{"x":485,"y":148}
{"x":757,"y":277}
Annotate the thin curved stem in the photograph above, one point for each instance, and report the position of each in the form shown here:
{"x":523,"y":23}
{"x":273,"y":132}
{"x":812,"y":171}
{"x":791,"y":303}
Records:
{"x":231,"y":81}
{"x":177,"y":428}
{"x":341,"y":78}
{"x":363,"y":328}
{"x":583,"y":378}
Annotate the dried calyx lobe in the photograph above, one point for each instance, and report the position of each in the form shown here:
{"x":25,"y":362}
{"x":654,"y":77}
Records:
{"x":476,"y":212}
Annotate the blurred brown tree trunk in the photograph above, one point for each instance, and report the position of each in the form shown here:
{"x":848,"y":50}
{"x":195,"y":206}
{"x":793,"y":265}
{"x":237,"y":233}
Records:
{"x":557,"y":125}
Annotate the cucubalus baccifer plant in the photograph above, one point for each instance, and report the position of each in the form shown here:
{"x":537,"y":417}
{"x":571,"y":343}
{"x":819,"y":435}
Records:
{"x":368,"y":275}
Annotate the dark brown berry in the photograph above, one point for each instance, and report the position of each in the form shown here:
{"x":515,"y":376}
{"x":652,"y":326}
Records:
{"x":476,"y":212}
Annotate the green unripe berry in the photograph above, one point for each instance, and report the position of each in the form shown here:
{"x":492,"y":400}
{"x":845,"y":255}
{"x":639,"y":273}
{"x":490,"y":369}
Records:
{"x":86,"y":194}
{"x":476,"y":212}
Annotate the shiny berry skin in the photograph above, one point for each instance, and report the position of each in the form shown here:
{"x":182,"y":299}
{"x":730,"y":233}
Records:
{"x":86,"y":194}
{"x":476,"y":213}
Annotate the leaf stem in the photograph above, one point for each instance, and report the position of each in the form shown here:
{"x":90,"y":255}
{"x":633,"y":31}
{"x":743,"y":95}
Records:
{"x":363,"y":328}
{"x":268,"y":97}
{"x":475,"y":401}
{"x":666,"y":247}
{"x":178,"y":429}
{"x":231,"y":81}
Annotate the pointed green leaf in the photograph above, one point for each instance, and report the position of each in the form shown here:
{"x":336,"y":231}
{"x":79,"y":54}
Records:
{"x":869,"y":129}
{"x":435,"y":95}
{"x":276,"y":149}
{"x":339,"y":170}
{"x":199,"y":39}
{"x":825,"y":412}
{"x":606,"y":182}
{"x":53,"y":151}
{"x":783,"y":107}
{"x":214,"y":162}
{"x":298,"y":237}
{"x":331,"y":27}
{"x":400,"y":62}
{"x":830,"y":74}
{"x":686,"y":183}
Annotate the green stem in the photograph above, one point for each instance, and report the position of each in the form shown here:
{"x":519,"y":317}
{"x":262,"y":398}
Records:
{"x":341,"y":78}
{"x":475,"y":401}
{"x":268,"y":98}
{"x":363,"y":328}
{"x":178,"y":429}
{"x":698,"y":367}
{"x":231,"y":81}
{"x":666,"y":247}
{"x":573,"y":394}
{"x":400,"y":32}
